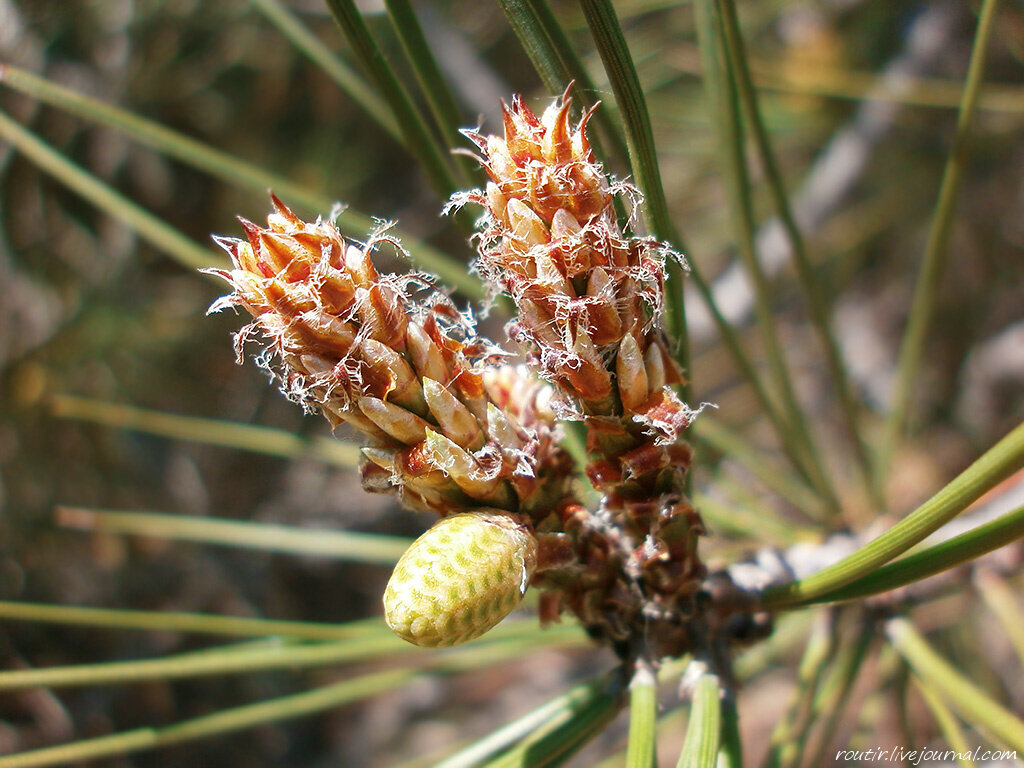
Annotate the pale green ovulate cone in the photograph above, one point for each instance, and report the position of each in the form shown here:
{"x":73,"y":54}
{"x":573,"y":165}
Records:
{"x":460,"y":578}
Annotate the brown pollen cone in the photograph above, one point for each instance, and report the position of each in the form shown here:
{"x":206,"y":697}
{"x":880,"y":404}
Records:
{"x":394,"y":359}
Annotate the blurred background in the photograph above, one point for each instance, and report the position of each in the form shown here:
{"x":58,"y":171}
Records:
{"x":861,"y":100}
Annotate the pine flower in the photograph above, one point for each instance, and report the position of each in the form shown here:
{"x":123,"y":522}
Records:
{"x":455,"y":432}
{"x":590,"y":302}
{"x":590,"y":299}
{"x":393,"y":359}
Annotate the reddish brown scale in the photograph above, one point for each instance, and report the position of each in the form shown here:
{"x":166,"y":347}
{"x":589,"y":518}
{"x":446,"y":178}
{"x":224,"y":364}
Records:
{"x":603,"y":473}
{"x":643,"y":461}
{"x":373,"y":381}
{"x":550,"y":608}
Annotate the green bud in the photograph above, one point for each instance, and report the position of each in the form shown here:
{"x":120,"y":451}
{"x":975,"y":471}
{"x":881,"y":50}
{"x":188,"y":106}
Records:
{"x":460,"y":578}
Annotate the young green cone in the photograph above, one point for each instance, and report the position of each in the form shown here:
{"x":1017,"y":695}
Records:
{"x":460,"y":578}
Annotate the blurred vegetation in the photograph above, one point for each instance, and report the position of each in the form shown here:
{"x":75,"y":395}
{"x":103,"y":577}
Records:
{"x":88,"y":308}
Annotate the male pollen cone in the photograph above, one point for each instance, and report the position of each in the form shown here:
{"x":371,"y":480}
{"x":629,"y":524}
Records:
{"x":590,"y":299}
